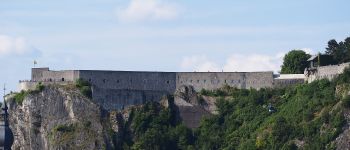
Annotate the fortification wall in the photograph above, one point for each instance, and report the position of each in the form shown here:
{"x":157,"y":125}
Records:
{"x":325,"y":72}
{"x":116,"y":99}
{"x":117,"y":89}
{"x":31,"y":85}
{"x":148,"y":81}
{"x":287,"y":82}
{"x":215,"y":80}
{"x":44,"y":75}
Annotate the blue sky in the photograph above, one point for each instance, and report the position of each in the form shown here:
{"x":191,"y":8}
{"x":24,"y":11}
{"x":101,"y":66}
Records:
{"x":163,"y":35}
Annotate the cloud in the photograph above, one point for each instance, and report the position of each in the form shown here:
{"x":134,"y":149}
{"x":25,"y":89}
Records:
{"x":15,"y":46}
{"x":308,"y":51}
{"x":141,"y":10}
{"x":255,"y":62}
{"x":235,"y":62}
{"x":199,"y":64}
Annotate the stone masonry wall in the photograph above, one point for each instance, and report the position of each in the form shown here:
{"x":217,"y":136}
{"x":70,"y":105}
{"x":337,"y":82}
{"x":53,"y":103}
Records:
{"x":117,"y":89}
{"x":328,"y":72}
{"x":215,"y":80}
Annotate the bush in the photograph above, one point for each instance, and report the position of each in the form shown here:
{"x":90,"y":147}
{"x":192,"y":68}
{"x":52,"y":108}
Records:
{"x":64,"y":128}
{"x":39,"y":87}
{"x":81,"y":83}
{"x":86,"y":91}
{"x":346,"y":102}
{"x":19,"y":97}
{"x":84,"y":87}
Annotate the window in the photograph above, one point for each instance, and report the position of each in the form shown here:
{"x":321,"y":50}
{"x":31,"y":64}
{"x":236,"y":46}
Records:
{"x":104,"y":80}
{"x":168,"y":81}
{"x":90,"y":80}
{"x":50,"y":80}
{"x":205,"y":81}
{"x":117,"y":81}
{"x":62,"y":79}
{"x":197,"y":81}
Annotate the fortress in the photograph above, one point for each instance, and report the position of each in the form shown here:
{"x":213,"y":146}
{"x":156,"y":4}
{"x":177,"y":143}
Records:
{"x":117,"y":89}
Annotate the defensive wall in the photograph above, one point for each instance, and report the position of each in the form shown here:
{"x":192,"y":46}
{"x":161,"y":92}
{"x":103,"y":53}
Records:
{"x":328,"y":72}
{"x":118,"y":89}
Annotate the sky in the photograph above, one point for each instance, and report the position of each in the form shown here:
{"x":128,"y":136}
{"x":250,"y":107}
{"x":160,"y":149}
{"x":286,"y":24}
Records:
{"x":163,"y":35}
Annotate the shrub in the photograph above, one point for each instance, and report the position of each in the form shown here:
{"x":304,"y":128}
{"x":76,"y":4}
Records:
{"x":86,"y":91}
{"x":64,"y":128}
{"x":81,"y":83}
{"x":346,"y":102}
{"x":39,"y":87}
{"x":84,"y":87}
{"x":19,"y":97}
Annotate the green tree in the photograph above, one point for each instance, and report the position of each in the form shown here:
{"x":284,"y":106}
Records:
{"x":340,"y":52}
{"x":294,"y":62}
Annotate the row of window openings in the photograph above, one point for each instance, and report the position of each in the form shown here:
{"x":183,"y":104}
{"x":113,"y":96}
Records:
{"x":225,"y":81}
{"x":118,"y":81}
{"x":218,"y":81}
{"x":50,"y":80}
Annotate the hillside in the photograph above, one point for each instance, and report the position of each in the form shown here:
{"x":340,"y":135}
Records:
{"x":305,"y":116}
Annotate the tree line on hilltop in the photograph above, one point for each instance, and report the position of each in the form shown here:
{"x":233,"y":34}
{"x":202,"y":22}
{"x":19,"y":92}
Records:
{"x":295,"y":61}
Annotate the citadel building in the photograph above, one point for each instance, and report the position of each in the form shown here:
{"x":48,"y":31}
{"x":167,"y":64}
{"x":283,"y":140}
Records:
{"x":117,"y":89}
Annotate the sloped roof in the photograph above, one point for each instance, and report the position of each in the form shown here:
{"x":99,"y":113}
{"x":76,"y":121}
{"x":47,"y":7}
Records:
{"x":312,"y":58}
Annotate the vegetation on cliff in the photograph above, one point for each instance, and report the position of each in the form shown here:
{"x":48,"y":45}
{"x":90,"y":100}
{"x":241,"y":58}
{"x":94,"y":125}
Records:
{"x":84,"y":87}
{"x":19,"y":97}
{"x":308,"y":116}
{"x":153,"y":126}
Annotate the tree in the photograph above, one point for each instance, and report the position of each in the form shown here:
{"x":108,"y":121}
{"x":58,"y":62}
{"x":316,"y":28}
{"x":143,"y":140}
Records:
{"x":339,"y":51}
{"x":332,"y":47}
{"x":294,"y":62}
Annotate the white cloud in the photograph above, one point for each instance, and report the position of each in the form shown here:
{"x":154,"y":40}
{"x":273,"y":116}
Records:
{"x":140,"y":10}
{"x":14,"y":45}
{"x":239,"y":63}
{"x":199,"y":64}
{"x":308,"y":51}
{"x":255,"y":62}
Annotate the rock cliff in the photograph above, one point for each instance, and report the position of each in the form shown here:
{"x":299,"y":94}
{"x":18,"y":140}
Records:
{"x":56,"y":118}
{"x":60,"y":117}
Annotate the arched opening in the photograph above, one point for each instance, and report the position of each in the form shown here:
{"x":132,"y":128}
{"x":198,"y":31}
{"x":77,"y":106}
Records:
{"x":62,"y":79}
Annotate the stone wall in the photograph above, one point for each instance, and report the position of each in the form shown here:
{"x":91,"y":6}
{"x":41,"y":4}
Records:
{"x":44,"y":74}
{"x":325,"y":72}
{"x":131,"y":80}
{"x":118,"y":89}
{"x":215,"y":80}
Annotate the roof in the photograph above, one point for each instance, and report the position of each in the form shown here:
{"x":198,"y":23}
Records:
{"x":290,"y":76}
{"x":312,"y":58}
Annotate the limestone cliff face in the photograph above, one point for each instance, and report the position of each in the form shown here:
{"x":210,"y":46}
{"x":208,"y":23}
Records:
{"x":60,"y":117}
{"x":192,"y":107}
{"x":56,"y":118}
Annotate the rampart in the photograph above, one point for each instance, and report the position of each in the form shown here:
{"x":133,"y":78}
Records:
{"x":328,"y":72}
{"x":118,"y":89}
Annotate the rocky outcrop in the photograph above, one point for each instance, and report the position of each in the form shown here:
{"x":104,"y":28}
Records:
{"x":60,"y":117}
{"x":56,"y":118}
{"x":191,"y":107}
